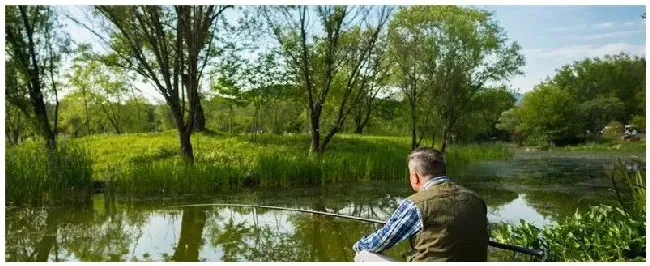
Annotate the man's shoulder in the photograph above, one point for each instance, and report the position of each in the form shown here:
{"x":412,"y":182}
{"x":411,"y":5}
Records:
{"x":443,"y":190}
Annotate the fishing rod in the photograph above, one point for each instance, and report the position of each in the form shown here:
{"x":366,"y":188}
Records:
{"x":515,"y":248}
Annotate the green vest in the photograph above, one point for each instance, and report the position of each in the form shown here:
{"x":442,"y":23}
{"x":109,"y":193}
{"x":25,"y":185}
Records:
{"x":454,"y":225}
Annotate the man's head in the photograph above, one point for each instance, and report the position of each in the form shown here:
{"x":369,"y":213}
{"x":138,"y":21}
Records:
{"x":424,"y":164}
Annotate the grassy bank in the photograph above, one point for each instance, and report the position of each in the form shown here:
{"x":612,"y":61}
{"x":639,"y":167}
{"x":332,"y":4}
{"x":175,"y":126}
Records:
{"x":626,"y":146}
{"x":146,"y":164}
{"x":149,"y":164}
{"x":35,"y":175}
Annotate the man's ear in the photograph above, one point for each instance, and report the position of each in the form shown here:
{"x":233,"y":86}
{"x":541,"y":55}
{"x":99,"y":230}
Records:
{"x":417,"y":178}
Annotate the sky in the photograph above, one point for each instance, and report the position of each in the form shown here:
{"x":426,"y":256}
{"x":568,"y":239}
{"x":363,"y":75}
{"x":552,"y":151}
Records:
{"x":553,"y":36}
{"x":550,"y":37}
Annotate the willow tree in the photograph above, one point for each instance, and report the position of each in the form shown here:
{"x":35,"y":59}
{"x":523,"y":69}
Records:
{"x":334,"y":52}
{"x":168,"y":46}
{"x":33,"y":47}
{"x":446,"y":55}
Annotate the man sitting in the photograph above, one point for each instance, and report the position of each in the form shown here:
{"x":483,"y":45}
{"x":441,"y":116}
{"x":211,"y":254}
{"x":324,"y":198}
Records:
{"x":444,"y":221}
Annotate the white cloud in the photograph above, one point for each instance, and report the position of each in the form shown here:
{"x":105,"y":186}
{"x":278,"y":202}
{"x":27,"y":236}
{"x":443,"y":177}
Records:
{"x":581,"y":51}
{"x":542,"y":63}
{"x":629,"y":24}
{"x":608,"y":35}
{"x":563,"y":29}
{"x":640,"y":23}
{"x":604,"y":25}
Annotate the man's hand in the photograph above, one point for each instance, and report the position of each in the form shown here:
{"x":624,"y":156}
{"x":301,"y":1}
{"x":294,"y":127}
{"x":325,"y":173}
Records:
{"x":366,"y":256}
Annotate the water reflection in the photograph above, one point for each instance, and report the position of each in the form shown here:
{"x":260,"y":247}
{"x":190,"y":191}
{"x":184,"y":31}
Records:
{"x":109,"y":229}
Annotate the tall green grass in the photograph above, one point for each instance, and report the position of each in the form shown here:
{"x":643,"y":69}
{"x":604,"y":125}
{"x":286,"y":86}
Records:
{"x":34,"y":174}
{"x":149,"y":164}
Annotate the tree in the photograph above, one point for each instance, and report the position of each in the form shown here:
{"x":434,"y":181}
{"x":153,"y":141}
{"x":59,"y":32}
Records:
{"x":317,"y":58}
{"x":600,"y":111}
{"x":509,"y":120}
{"x":30,"y":34}
{"x":549,"y":113}
{"x":228,"y":86}
{"x":101,"y":86}
{"x":448,"y":54}
{"x":484,"y":110}
{"x":169,"y":47}
{"x":15,"y":125}
{"x":617,"y":76}
{"x":373,"y":87}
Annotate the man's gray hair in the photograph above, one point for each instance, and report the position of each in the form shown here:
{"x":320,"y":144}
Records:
{"x":427,"y":162}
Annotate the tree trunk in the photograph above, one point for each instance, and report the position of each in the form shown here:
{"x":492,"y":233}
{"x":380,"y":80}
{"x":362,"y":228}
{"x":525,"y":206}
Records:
{"x":232,"y":113}
{"x":445,"y":137}
{"x":184,"y":133}
{"x":15,"y":132}
{"x":433,"y":138}
{"x":199,"y":117}
{"x":34,"y":86}
{"x":86,"y":110}
{"x":357,"y":120}
{"x":414,"y":144}
{"x":365,"y":120}
{"x":315,"y":133}
{"x":186,"y":145}
{"x":56,"y":93}
{"x":275,"y":120}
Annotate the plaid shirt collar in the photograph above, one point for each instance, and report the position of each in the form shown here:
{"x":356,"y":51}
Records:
{"x":434,"y":181}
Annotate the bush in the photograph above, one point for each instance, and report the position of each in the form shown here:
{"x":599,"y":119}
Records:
{"x":603,"y":233}
{"x":639,"y":122}
{"x":613,"y":130}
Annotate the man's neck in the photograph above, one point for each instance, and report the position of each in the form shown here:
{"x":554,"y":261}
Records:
{"x":434,"y":181}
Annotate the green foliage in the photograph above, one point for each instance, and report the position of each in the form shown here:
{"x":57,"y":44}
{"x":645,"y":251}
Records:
{"x":598,"y":112}
{"x":36,"y":175}
{"x":453,"y":51}
{"x":639,"y":122}
{"x":603,"y":233}
{"x":34,"y":42}
{"x":485,"y":108}
{"x":620,"y":76}
{"x":593,"y":93}
{"x":547,"y":113}
{"x":613,"y":130}
{"x":508,"y":121}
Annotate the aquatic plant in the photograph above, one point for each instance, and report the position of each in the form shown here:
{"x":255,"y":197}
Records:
{"x":33,"y":174}
{"x":603,"y":233}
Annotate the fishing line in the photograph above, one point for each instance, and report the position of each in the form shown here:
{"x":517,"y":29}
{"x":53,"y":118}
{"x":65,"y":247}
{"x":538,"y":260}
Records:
{"x":533,"y":252}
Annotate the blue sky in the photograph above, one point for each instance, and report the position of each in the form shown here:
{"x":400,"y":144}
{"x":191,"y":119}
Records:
{"x":550,"y":36}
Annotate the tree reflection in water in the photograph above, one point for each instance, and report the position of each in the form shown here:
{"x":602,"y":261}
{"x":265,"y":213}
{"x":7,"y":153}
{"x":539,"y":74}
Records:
{"x":112,"y":230}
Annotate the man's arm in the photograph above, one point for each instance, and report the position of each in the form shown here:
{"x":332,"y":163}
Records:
{"x":405,"y":222}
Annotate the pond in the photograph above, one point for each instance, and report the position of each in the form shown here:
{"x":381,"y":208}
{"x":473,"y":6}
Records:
{"x":540,"y":187}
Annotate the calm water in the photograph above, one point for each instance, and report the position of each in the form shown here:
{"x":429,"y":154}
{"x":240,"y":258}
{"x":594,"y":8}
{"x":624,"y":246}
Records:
{"x":538,"y":187}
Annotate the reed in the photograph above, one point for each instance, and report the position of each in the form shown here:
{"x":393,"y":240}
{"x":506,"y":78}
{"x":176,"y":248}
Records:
{"x":36,"y":175}
{"x":149,"y":164}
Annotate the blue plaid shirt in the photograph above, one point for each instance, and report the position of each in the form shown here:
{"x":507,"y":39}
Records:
{"x":405,"y":222}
